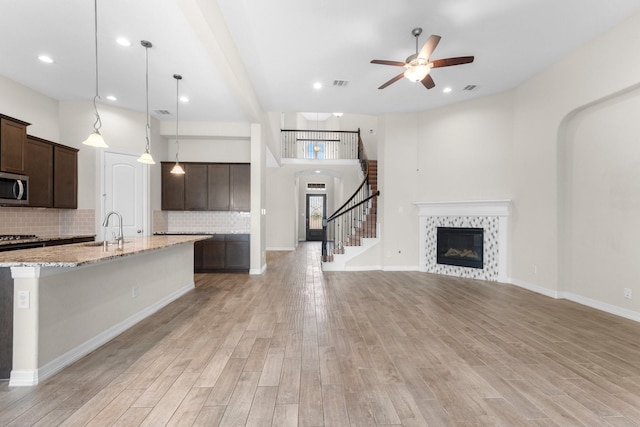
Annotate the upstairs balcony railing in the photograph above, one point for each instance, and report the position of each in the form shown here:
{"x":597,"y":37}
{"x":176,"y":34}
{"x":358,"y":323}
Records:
{"x":319,"y":144}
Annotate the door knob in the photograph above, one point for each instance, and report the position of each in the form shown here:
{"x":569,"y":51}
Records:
{"x":139,"y":231}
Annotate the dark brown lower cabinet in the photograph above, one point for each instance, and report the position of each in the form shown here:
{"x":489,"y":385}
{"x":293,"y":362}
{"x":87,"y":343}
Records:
{"x":222,"y":253}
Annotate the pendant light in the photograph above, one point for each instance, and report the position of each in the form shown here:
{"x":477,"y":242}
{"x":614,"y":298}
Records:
{"x":95,"y":139}
{"x":146,"y":156}
{"x":177,"y":168}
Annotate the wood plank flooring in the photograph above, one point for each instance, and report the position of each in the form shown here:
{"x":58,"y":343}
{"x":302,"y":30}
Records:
{"x":296,"y":347}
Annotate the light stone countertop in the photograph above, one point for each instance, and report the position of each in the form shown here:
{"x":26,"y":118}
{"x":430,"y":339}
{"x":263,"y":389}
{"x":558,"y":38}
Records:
{"x":78,"y":254}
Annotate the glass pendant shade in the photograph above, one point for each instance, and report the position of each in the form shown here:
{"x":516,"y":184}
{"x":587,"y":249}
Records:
{"x":95,"y":140}
{"x":177,"y":169}
{"x":417,"y":72}
{"x":146,"y":159}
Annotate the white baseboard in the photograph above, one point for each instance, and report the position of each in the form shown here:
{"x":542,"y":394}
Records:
{"x":598,"y":305}
{"x":258,"y":271}
{"x":31,"y":378}
{"x":363,"y":268}
{"x":282,"y":248}
{"x":535,"y":288}
{"x":400,"y":268}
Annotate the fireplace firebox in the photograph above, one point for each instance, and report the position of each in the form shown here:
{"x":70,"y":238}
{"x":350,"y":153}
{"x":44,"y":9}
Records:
{"x":460,"y":246}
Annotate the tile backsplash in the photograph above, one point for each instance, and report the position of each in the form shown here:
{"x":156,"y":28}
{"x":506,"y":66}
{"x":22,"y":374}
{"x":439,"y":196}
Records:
{"x":46,"y":222}
{"x":205,"y":222}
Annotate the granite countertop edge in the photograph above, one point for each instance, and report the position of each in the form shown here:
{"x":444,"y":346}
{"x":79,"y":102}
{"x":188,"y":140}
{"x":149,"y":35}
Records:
{"x":79,"y":254}
{"x":44,"y":238}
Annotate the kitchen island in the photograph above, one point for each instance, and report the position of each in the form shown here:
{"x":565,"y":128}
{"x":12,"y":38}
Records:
{"x":71,"y":299}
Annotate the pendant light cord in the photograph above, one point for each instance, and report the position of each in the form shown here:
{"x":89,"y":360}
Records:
{"x":177,"y":77}
{"x":148,"y":129}
{"x":98,"y":123}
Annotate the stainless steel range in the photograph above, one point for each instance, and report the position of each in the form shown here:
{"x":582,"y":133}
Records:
{"x":5,"y":237}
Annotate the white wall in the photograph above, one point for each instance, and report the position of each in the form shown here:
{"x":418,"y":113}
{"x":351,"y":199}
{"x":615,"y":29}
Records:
{"x":24,"y":104}
{"x":211,"y":150}
{"x":516,"y":139}
{"x":601,"y":181}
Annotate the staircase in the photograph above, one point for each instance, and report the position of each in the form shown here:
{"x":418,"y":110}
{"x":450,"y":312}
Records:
{"x":354,"y":226}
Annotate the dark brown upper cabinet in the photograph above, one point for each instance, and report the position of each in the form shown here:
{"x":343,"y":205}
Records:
{"x":172,"y":189}
{"x":218,"y":188}
{"x":195,"y":187}
{"x":65,"y":177}
{"x":13,"y":136}
{"x":207,"y":186}
{"x":240,"y":175}
{"x":38,"y":166}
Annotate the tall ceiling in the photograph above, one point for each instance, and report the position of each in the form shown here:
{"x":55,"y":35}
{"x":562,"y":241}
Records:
{"x":235,"y":55}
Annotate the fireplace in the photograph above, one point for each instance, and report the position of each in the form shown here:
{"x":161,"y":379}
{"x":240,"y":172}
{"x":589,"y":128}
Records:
{"x":460,"y":246}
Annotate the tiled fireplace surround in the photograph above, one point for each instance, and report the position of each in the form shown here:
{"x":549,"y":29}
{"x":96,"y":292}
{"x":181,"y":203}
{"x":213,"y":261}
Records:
{"x":491,"y":215}
{"x":65,"y":222}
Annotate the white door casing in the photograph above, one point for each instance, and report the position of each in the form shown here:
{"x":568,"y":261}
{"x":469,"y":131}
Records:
{"x":124,"y":190}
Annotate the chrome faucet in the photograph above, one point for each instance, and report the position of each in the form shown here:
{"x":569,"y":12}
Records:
{"x":120,"y":238}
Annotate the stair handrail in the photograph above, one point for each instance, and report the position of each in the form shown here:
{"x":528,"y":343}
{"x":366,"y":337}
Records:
{"x":364,"y":165}
{"x":349,"y":205}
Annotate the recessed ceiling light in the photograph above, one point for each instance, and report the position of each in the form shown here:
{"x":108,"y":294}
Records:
{"x":46,"y":59}
{"x":111,"y":98}
{"x":184,"y":99}
{"x":446,"y":89}
{"x":317,"y":171}
{"x":317,"y":85}
{"x":123,"y":42}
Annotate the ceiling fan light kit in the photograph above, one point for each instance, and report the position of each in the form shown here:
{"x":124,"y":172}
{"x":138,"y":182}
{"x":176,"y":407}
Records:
{"x":418,"y":66}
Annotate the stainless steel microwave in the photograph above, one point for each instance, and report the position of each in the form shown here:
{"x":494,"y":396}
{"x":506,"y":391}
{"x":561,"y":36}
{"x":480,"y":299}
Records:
{"x":14,"y":189}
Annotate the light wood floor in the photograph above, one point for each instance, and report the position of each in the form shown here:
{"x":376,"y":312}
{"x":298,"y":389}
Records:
{"x":299,"y":347}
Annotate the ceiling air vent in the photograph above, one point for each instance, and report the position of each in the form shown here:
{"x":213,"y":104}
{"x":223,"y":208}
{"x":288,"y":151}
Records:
{"x":340,"y":83}
{"x":162,"y":112}
{"x":470,"y":87}
{"x":315,"y":186}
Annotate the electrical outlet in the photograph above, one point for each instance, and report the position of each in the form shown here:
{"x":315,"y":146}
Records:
{"x":134,"y":292}
{"x":628,"y":293}
{"x":24,"y":298}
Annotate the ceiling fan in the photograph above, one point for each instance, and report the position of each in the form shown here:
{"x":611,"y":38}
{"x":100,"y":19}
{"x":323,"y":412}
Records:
{"x":418,"y":65}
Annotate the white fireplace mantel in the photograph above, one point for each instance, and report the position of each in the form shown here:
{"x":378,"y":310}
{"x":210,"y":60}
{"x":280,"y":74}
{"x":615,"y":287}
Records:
{"x":500,"y":209}
{"x":472,"y":208}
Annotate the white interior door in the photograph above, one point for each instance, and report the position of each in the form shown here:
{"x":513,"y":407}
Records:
{"x":124,"y":192}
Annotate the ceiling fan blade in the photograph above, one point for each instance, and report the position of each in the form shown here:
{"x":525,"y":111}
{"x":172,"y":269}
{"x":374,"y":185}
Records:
{"x":447,"y":62}
{"x":429,"y":46}
{"x":428,"y":82}
{"x":384,"y":62}
{"x":393,"y":80}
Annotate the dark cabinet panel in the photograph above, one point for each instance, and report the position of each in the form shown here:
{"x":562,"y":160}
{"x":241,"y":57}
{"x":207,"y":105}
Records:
{"x":172,"y":189}
{"x":65,"y":177}
{"x":38,"y":166}
{"x":240,"y":187}
{"x":218,"y":189}
{"x":195,"y":187}
{"x":237,"y":252}
{"x":222,"y":253}
{"x":13,"y":135}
